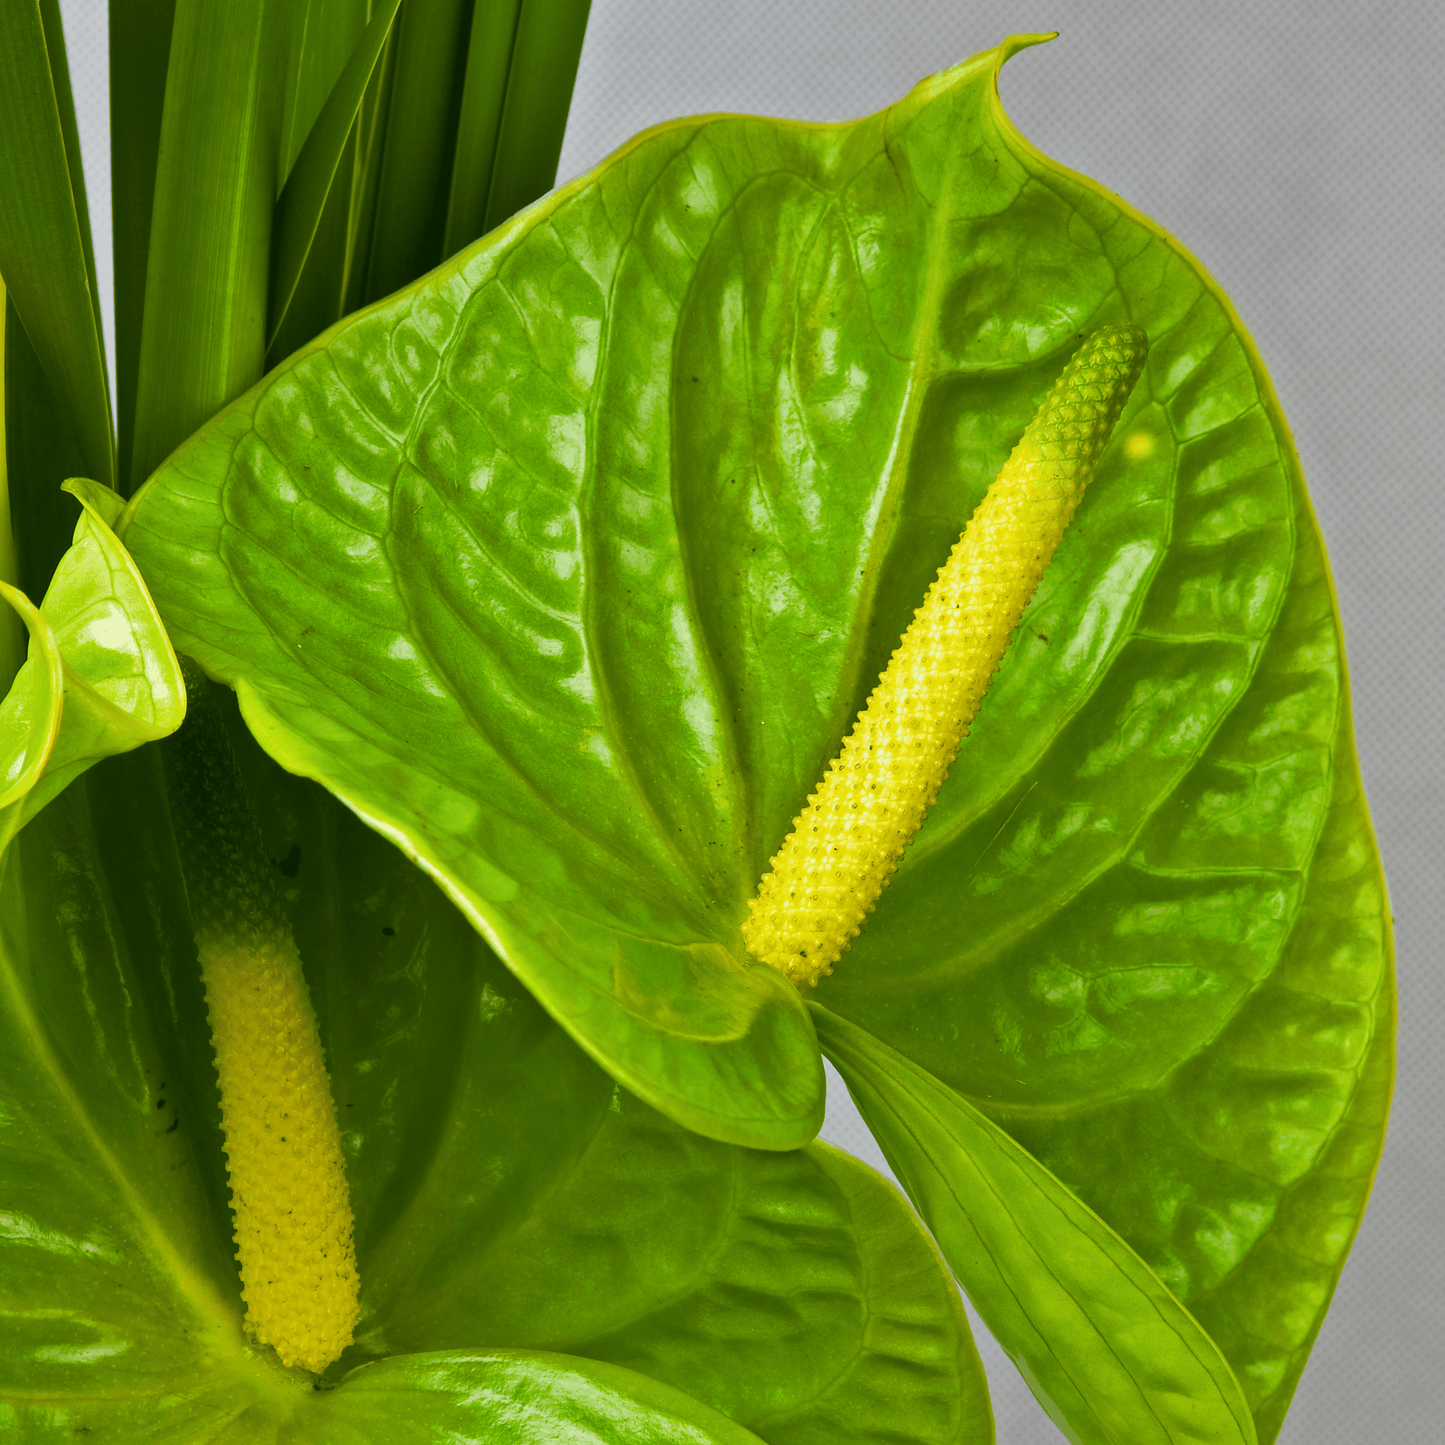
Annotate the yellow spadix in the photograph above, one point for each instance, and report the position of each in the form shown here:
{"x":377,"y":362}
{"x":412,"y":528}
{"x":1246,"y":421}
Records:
{"x":289,"y":1196}
{"x":831,"y":868}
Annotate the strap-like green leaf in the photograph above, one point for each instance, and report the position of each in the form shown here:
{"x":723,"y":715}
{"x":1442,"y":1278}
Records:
{"x":304,"y":196}
{"x":323,"y":36}
{"x":70,"y":135}
{"x":1113,"y":1357}
{"x":489,"y":61}
{"x":140,"y":47}
{"x":204,"y":336}
{"x":421,"y":122}
{"x":545,"y":55}
{"x":42,"y":450}
{"x":44,"y":227}
{"x":101,"y":678}
{"x":12,"y":630}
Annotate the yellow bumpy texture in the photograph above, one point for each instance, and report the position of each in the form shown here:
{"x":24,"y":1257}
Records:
{"x":289,"y":1194}
{"x":830,"y":870}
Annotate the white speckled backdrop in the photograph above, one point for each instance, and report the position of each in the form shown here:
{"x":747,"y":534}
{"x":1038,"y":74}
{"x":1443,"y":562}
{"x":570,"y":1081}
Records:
{"x":1298,"y":150}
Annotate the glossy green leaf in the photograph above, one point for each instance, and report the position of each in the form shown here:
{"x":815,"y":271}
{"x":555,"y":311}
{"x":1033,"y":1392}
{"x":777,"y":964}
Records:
{"x":309,"y":185}
{"x":679,"y":1257}
{"x":1241,"y":1179}
{"x":1110,"y":1353}
{"x":102,"y":677}
{"x":495,"y":1171}
{"x":44,"y":226}
{"x":501,"y":1397}
{"x":568,"y":567}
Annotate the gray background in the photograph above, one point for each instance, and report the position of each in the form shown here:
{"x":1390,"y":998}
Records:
{"x":1299,"y":151}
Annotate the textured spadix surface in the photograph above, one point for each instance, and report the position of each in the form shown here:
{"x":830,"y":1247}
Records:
{"x":568,"y":567}
{"x":827,"y":876}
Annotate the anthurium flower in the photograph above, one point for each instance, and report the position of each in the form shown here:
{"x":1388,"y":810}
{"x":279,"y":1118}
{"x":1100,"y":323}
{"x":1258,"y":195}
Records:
{"x":562,"y":572}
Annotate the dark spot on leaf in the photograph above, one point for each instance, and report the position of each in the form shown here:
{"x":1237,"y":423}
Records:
{"x":389,"y":932}
{"x":160,"y":1103}
{"x":290,"y":865}
{"x":175,"y":1124}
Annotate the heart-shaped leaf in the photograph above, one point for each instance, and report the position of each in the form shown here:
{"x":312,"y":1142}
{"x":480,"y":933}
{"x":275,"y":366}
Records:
{"x":568,"y":566}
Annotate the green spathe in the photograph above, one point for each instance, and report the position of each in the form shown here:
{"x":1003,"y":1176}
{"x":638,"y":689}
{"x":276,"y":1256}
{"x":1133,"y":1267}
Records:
{"x":567,"y":568}
{"x":506,"y":1195}
{"x":101,"y":677}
